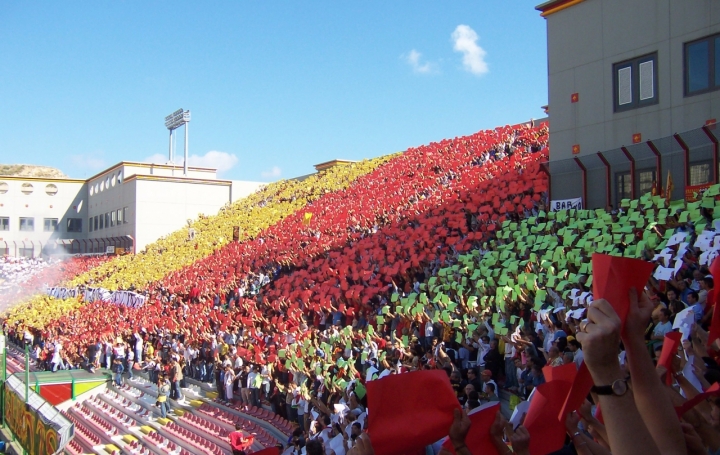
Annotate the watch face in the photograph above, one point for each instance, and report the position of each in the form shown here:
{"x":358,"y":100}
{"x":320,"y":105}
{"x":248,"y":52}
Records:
{"x":619,"y":387}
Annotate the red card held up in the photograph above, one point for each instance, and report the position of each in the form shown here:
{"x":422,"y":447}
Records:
{"x":565,"y":373}
{"x":670,"y":347}
{"x":614,"y":276}
{"x":478,"y":438}
{"x":407,"y":412}
{"x":691,"y":403}
{"x":547,"y":432}
{"x":578,"y":392}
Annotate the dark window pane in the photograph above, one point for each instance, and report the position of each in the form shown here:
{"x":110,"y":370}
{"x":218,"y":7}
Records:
{"x":698,"y":66}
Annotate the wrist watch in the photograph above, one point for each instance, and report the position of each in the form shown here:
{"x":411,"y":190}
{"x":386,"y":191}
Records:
{"x":618,"y":388}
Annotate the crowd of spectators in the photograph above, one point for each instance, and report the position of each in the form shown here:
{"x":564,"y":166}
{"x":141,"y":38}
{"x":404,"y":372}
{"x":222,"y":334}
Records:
{"x":22,"y":278}
{"x":443,"y":258}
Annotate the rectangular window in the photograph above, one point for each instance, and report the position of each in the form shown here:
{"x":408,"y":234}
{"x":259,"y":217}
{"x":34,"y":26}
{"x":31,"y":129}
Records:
{"x":647,"y":80}
{"x":700,"y":174}
{"x":112,"y":218}
{"x":125,"y":215}
{"x":107,"y":219}
{"x":74,"y":224}
{"x":624,"y":85}
{"x":635,"y":83}
{"x":50,"y":224}
{"x":27,"y":224}
{"x":4,"y":223}
{"x":90,"y":224}
{"x":119,"y":217}
{"x":624,"y":189}
{"x":646,"y":180}
{"x":95,"y":223}
{"x":702,"y":65}
{"x":102,"y":222}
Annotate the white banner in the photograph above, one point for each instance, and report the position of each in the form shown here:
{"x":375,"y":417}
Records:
{"x":566,"y":204}
{"x":126,"y":298}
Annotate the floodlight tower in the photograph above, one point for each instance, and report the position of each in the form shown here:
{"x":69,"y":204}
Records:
{"x":173,"y":122}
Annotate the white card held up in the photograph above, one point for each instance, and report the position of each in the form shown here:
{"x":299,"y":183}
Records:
{"x":677,"y":239}
{"x":520,"y":410}
{"x":684,"y":318}
{"x":664,"y":273}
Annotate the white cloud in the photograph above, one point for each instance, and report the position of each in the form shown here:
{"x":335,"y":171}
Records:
{"x":275,"y":172}
{"x":465,"y":41}
{"x":413,"y":59}
{"x":222,"y":161}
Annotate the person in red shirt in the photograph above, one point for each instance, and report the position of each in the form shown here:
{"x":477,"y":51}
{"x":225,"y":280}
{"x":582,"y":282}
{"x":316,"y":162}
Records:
{"x":238,"y":442}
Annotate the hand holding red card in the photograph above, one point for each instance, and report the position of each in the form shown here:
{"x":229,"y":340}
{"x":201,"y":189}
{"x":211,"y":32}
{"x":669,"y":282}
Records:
{"x":406,"y":412}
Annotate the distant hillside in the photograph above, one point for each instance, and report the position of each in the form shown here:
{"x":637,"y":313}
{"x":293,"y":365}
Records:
{"x":29,"y":170}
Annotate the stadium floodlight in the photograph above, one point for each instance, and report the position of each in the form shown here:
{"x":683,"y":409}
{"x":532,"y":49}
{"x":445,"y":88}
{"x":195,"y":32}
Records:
{"x":173,"y":122}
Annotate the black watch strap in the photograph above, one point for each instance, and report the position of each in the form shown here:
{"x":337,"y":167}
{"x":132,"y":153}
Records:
{"x":602,"y":389}
{"x":609,"y":389}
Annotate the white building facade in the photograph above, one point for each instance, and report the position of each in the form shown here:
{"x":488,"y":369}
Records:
{"x":126,"y":206}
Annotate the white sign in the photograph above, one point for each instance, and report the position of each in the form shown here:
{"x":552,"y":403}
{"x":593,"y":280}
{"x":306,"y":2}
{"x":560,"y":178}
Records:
{"x":566,"y":204}
{"x":110,"y":250}
{"x":126,"y":298}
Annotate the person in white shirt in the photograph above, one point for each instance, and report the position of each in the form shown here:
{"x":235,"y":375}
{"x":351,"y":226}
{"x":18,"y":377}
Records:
{"x":138,"y":347}
{"x":108,"y":354}
{"x":56,"y":360}
{"x":229,"y":380}
{"x":663,"y":327}
{"x":578,"y":356}
{"x":119,"y":349}
{"x":130,"y":362}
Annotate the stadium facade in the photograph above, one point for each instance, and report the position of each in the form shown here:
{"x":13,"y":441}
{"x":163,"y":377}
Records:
{"x":122,"y":208}
{"x":634,"y":95}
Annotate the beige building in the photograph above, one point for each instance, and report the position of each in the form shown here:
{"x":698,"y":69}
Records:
{"x":125,"y":206}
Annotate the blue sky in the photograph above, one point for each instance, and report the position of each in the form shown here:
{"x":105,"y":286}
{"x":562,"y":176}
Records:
{"x":273,"y":87}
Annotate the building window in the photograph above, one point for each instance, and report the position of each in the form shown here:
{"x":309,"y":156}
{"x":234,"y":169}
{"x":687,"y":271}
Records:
{"x":27,"y":224}
{"x":90,"y":224}
{"x":119,"y":217}
{"x":646,"y":180}
{"x":702,"y":65}
{"x":4,"y":187}
{"x":50,"y":224}
{"x":107,"y":219}
{"x":125,"y":215}
{"x":95,"y":222}
{"x":26,"y":188}
{"x":74,"y":224}
{"x":624,"y":187}
{"x":102,"y":222}
{"x":700,"y":174}
{"x":635,"y":83}
{"x":112,"y":218}
{"x":4,"y":223}
{"x":51,"y":189}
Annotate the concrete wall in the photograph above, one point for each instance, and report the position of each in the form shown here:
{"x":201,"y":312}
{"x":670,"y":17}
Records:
{"x":585,"y":40}
{"x":165,"y":206}
{"x":69,"y":201}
